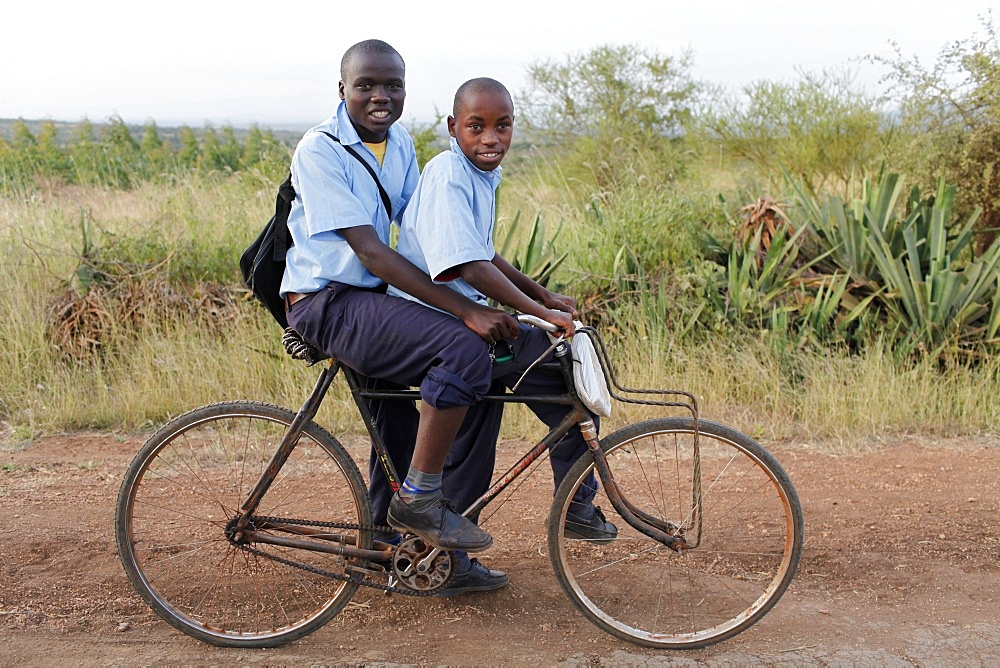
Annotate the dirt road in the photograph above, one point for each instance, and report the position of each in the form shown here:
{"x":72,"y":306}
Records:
{"x":901,"y":567}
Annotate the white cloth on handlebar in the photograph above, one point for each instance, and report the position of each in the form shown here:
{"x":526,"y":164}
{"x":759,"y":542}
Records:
{"x":588,"y":375}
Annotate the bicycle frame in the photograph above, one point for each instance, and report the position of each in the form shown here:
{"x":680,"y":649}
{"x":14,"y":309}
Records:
{"x":653,"y":527}
{"x":244,"y":524}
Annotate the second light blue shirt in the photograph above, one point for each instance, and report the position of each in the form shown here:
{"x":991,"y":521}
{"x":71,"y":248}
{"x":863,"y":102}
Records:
{"x":449,"y":220}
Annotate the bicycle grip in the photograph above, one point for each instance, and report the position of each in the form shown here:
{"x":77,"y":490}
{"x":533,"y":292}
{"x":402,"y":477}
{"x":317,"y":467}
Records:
{"x":535,"y":321}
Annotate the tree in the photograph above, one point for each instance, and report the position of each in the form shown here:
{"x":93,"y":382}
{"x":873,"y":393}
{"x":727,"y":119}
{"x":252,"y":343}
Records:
{"x":950,"y":119}
{"x":156,"y":153}
{"x":123,"y":157}
{"x":610,"y":109}
{"x":263,"y":151}
{"x":230,"y":151}
{"x":25,"y":146}
{"x":219,"y":154}
{"x":611,"y":91}
{"x":820,"y":128}
{"x":53,"y":159}
{"x":12,"y":171}
{"x":426,"y":140}
{"x":253,"y":147}
{"x":85,"y":154}
{"x":190,"y":152}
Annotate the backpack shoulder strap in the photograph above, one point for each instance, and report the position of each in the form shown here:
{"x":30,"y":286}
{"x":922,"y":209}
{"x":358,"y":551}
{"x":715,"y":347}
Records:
{"x":381,"y":191}
{"x":282,"y":207}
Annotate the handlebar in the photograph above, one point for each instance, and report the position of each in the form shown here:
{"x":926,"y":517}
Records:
{"x":535,"y":321}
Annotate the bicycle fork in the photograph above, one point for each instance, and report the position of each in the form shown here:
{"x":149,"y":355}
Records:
{"x":643,"y":522}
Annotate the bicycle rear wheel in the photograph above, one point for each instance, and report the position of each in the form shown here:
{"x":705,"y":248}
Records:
{"x":750,"y":530}
{"x":190,"y":479}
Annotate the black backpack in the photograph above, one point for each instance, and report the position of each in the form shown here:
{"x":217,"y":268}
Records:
{"x":263,"y":262}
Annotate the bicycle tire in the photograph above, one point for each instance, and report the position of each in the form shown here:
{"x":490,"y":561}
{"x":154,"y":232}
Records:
{"x":189,"y":479}
{"x":637,"y":589}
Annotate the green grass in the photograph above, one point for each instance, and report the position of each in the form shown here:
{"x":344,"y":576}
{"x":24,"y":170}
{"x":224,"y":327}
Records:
{"x":192,"y":231}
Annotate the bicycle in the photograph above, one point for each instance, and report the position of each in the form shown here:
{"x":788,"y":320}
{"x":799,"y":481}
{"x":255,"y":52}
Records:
{"x":244,"y":524}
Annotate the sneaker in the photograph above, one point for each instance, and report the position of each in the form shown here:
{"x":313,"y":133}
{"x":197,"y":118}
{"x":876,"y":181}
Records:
{"x":440,"y":525}
{"x":477,"y":578}
{"x":596,"y":530}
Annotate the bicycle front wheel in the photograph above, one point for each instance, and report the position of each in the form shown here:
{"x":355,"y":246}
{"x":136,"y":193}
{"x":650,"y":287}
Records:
{"x":189,"y":481}
{"x":732,"y":501}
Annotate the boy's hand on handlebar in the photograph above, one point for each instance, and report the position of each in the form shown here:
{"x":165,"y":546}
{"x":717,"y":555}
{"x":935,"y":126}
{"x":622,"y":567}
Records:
{"x":491,"y":324}
{"x":558,"y":302}
{"x":562,"y":320}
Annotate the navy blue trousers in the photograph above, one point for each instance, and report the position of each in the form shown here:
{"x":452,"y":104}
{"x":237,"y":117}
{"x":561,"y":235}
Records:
{"x":469,"y":469}
{"x":396,"y":343}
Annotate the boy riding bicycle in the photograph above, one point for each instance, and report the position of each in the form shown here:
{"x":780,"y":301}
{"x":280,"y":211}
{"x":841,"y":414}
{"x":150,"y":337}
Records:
{"x":244,"y":524}
{"x":447,"y":231}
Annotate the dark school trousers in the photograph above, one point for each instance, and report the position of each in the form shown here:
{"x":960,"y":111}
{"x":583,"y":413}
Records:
{"x":397,"y":343}
{"x":469,"y":469}
{"x":529,"y":345}
{"x":389,"y":341}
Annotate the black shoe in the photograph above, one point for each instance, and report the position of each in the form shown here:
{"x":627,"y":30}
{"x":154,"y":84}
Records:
{"x":477,"y":578}
{"x":596,"y":530}
{"x":439,"y":525}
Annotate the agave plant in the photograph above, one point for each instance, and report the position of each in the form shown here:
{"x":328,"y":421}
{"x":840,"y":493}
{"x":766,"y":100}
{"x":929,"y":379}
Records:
{"x":844,"y":229}
{"x":755,"y":287}
{"x":920,"y":272}
{"x":936,"y":298}
{"x":536,"y":259}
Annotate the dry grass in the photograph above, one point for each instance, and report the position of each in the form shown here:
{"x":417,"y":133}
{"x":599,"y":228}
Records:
{"x":86,"y":325}
{"x":128,"y":355}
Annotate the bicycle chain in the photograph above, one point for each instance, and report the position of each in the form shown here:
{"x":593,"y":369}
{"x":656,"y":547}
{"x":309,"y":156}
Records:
{"x":325,"y":573}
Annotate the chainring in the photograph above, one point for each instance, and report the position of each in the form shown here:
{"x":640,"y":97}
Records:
{"x":420,"y":566}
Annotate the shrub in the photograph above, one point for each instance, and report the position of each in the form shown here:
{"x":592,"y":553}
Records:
{"x":949,"y":124}
{"x":607,"y":109}
{"x":821,"y":128}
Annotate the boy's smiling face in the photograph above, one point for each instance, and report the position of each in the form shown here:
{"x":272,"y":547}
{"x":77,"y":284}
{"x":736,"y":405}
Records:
{"x":374,"y":91}
{"x":483,"y":125}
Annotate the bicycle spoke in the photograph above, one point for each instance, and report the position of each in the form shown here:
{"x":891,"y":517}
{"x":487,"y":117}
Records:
{"x":182,"y":491}
{"x":640,"y":590}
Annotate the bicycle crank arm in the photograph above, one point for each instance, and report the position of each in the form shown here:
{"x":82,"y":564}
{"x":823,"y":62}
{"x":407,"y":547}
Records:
{"x":427,"y":563}
{"x":422,"y":566}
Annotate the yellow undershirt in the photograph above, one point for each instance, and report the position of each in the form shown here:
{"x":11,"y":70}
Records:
{"x":378,"y":150}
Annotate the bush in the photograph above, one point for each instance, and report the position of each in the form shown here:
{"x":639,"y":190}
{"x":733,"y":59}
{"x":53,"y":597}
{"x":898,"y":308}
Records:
{"x":949,"y":124}
{"x":820,"y":128}
{"x":605,"y":110}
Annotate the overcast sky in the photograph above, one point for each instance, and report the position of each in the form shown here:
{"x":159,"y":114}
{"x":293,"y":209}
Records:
{"x":277,"y":63}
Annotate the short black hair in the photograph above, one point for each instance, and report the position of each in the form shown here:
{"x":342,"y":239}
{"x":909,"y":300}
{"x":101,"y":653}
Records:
{"x":476,"y":86}
{"x":364,"y":48}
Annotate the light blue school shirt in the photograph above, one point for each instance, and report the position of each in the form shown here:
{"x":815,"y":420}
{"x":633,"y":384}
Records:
{"x":333,"y":191}
{"x":449,"y":220}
